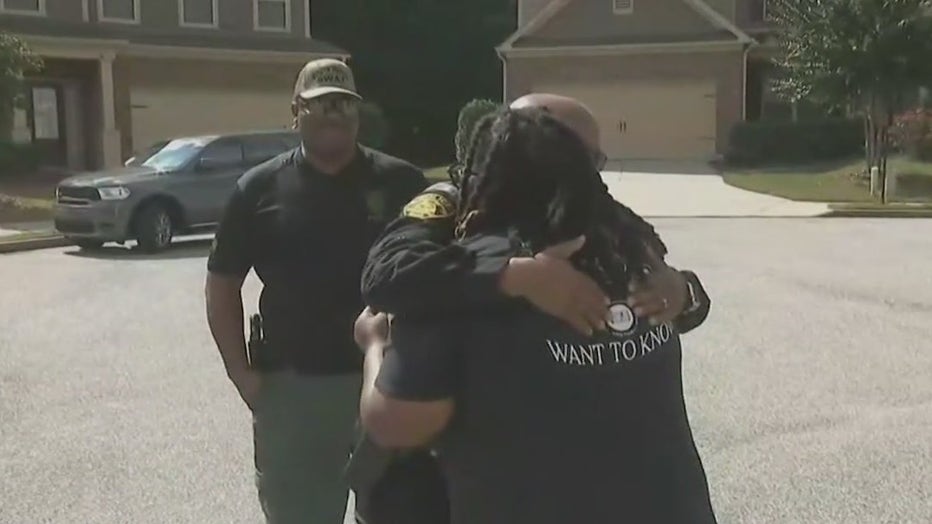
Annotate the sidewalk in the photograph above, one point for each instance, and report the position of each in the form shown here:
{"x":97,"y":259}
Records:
{"x":657,"y":195}
{"x":9,"y":230}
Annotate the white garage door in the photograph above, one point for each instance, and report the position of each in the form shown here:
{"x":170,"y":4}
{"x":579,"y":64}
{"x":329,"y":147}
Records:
{"x":674,"y":121}
{"x":160,"y":113}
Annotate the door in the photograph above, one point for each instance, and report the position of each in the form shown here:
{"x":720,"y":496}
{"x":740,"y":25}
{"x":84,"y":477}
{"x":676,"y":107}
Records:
{"x":651,"y":121}
{"x":46,"y":121}
{"x":211,"y":180}
{"x":163,"y":112}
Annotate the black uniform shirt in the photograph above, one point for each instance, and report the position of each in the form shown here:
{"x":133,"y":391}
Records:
{"x":307,"y":235}
{"x":416,"y":268}
{"x":551,"y":426}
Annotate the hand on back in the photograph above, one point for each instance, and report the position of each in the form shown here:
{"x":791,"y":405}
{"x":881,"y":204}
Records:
{"x":550,"y":282}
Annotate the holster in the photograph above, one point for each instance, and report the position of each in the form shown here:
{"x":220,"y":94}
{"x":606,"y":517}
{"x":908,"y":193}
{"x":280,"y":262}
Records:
{"x":261,"y":357}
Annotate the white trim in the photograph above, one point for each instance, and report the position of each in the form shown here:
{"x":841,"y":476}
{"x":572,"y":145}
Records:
{"x":215,"y":24}
{"x":541,"y":18}
{"x":103,"y":18}
{"x":26,"y":12}
{"x":307,"y":18}
{"x":623,"y":10}
{"x":555,"y":6}
{"x":99,"y":49}
{"x":717,"y":19}
{"x":622,"y":49}
{"x":255,"y":17}
{"x":230,"y":55}
{"x":85,"y":11}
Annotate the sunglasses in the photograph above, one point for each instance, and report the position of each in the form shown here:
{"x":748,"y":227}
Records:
{"x":324,"y":105}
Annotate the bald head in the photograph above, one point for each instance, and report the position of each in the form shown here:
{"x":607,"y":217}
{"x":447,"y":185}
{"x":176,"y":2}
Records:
{"x":571,"y":112}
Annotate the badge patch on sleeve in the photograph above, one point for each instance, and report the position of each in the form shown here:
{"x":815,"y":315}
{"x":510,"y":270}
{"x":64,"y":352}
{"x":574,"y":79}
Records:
{"x":427,"y":206}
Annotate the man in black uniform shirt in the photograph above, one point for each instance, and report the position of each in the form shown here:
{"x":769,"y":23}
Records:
{"x":414,"y":268}
{"x":304,"y":221}
{"x":543,"y":424}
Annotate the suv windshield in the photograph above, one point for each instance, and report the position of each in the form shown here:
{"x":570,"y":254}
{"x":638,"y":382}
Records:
{"x":176,"y":153}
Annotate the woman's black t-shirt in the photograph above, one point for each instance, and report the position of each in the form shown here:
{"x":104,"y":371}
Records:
{"x":551,"y":426}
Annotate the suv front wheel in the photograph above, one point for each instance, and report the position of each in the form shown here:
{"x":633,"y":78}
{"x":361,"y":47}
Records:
{"x":154,"y":228}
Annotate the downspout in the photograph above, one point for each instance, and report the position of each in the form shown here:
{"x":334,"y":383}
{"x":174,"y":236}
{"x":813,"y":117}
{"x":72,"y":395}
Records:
{"x":744,"y":82}
{"x":501,"y":56}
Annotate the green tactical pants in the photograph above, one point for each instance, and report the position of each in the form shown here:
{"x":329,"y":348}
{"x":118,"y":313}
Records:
{"x":303,"y":428}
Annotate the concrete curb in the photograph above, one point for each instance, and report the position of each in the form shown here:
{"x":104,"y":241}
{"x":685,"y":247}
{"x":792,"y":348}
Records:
{"x":30,"y":244}
{"x":879,"y":212}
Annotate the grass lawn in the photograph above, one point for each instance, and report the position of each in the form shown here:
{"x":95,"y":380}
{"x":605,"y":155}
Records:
{"x":437,"y":174}
{"x":838,"y":182}
{"x":21,"y":209}
{"x":27,"y":235}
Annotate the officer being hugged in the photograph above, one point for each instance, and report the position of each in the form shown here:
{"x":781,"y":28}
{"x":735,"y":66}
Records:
{"x":304,"y":222}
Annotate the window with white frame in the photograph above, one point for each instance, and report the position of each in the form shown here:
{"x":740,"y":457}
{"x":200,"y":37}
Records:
{"x":24,"y":7}
{"x":623,"y":7}
{"x":272,"y":15}
{"x":198,"y":13}
{"x":123,"y":11}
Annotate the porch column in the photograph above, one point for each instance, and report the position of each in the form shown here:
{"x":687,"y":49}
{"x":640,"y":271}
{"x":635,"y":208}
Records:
{"x":111,"y":154}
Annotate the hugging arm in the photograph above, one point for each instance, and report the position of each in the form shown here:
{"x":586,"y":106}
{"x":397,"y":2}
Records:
{"x":408,"y":385}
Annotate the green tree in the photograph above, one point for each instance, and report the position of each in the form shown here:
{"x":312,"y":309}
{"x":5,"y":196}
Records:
{"x":420,"y":61}
{"x":862,"y":55}
{"x":16,"y":60}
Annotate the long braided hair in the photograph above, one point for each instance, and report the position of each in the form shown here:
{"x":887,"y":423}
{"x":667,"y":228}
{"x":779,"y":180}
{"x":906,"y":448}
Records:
{"x":528,"y":173}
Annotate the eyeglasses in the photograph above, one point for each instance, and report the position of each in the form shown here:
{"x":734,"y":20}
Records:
{"x":329,"y":104}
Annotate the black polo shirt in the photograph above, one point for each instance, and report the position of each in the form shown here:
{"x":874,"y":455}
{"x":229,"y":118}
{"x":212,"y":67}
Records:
{"x":552,"y":427}
{"x":307,"y":234}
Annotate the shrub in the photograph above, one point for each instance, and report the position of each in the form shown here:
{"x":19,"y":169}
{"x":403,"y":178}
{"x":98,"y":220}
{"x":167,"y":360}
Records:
{"x":373,"y":126}
{"x":17,"y":159}
{"x":757,"y":143}
{"x":912,"y":133}
{"x":469,"y":116}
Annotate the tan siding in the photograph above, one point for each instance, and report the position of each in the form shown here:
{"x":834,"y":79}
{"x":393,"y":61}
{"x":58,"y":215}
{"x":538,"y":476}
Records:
{"x":594,"y":19}
{"x":70,"y":10}
{"x":176,"y":98}
{"x":726,"y":8}
{"x":525,"y":74}
{"x":528,"y":9}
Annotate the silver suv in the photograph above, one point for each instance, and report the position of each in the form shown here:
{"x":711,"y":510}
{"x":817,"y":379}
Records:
{"x":177,"y":187}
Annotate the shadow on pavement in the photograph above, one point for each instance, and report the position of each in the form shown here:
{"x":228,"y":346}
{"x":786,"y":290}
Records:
{"x":179,"y":249}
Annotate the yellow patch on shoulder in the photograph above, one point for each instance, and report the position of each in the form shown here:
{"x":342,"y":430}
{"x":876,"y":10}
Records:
{"x":428,"y":206}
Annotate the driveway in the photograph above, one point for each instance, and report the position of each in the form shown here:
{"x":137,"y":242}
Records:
{"x":699,"y":195}
{"x":808,"y":388}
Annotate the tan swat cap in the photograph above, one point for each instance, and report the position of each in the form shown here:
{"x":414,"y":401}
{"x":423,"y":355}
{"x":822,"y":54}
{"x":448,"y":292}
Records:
{"x":325,"y":76}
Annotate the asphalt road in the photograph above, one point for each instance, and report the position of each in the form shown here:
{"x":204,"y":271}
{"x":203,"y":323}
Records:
{"x":809,"y":388}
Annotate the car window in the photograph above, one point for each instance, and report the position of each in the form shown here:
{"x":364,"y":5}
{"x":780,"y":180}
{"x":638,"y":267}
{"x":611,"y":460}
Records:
{"x":175,"y":154}
{"x":258,"y":149}
{"x":226,"y":152}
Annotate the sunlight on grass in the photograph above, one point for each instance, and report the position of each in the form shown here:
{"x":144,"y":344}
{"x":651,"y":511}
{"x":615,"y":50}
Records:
{"x":840,"y":182}
{"x":437,"y":174}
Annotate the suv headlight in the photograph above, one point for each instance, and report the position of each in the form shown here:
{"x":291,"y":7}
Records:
{"x":113,"y":193}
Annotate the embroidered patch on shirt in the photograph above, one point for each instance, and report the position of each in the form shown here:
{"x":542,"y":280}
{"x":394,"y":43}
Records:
{"x":428,"y":206}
